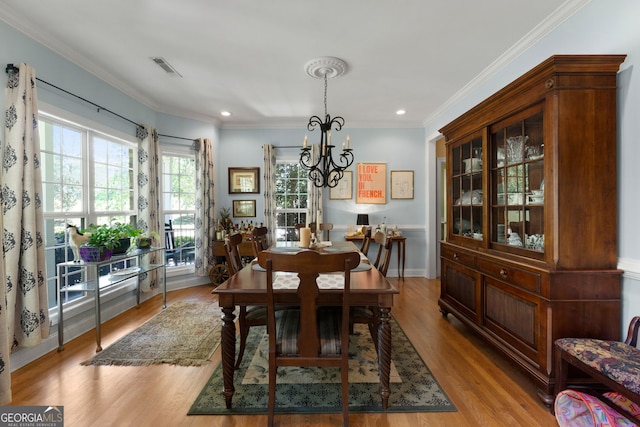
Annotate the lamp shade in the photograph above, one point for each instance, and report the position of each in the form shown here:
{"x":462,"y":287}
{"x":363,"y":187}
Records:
{"x":363,"y":219}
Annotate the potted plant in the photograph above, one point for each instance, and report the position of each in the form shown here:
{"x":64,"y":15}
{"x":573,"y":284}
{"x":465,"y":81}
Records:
{"x":145,"y":240}
{"x":102,"y":240}
{"x":106,"y":240}
{"x":124,"y":233}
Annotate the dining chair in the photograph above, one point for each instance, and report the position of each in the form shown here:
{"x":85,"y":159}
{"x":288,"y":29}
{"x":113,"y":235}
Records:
{"x":383,"y":256}
{"x":259,"y":239}
{"x":367,"y":314}
{"x":310,"y":335}
{"x":366,"y":241}
{"x":248,"y":315}
{"x":232,"y":253}
{"x":326,"y":226}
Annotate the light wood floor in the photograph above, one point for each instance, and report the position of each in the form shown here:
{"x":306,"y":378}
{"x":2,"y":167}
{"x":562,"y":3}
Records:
{"x":484,"y":387}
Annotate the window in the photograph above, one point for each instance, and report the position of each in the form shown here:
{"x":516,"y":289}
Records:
{"x":179,"y":206}
{"x":87,"y":179}
{"x":291,"y":199}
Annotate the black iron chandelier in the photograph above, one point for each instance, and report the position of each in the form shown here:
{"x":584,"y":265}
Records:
{"x":326,"y":171}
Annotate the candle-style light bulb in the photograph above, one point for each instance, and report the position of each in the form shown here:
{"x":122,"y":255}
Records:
{"x":304,"y":144}
{"x":348,"y":142}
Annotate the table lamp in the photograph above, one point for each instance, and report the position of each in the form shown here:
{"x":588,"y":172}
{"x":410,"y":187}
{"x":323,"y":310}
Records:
{"x":363,"y":219}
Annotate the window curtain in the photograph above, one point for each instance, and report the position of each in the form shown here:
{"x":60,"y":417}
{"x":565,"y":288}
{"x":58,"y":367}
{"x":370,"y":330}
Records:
{"x":205,"y":227}
{"x":314,"y":207}
{"x":270,"y":190}
{"x":24,"y":313}
{"x":149,"y":198}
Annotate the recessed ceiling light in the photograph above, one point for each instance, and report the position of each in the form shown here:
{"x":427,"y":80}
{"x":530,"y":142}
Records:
{"x":400,"y":112}
{"x":225,"y":113}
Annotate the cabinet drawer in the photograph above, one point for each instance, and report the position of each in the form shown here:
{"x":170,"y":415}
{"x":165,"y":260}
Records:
{"x":513,"y":275}
{"x":461,"y":257}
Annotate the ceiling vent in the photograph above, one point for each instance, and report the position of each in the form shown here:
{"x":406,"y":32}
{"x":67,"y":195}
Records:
{"x":168,"y":68}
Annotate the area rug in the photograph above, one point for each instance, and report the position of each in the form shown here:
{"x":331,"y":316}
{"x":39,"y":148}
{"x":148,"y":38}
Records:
{"x":186,"y":333}
{"x":317,"y":390}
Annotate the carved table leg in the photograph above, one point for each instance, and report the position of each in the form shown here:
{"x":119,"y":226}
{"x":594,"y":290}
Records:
{"x":228,"y":338}
{"x":384,"y":354}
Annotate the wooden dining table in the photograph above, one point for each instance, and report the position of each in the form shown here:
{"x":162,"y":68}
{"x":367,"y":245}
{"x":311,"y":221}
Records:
{"x":249,"y":287}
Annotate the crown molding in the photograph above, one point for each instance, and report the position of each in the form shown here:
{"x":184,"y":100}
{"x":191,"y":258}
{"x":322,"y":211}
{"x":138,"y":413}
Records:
{"x":553,"y":21}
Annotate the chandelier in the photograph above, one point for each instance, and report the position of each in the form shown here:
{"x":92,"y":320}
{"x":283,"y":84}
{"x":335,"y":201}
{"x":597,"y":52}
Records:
{"x":326,"y":171}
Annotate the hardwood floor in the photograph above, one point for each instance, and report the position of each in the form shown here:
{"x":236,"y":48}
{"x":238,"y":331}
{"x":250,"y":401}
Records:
{"x":485,"y":388}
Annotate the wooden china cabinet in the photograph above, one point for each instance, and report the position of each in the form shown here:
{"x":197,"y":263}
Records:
{"x":529,"y":254}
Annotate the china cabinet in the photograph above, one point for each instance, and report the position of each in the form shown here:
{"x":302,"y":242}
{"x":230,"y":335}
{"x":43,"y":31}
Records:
{"x":76,"y":279}
{"x":529,"y":254}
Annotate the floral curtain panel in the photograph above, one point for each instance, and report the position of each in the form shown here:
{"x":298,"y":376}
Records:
{"x":205,"y":227}
{"x":270,"y":190}
{"x":149,"y":197}
{"x":24,"y":314}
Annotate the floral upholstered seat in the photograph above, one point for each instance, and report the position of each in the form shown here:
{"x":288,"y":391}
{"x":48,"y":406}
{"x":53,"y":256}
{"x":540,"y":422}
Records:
{"x":614,"y":364}
{"x":616,"y":360}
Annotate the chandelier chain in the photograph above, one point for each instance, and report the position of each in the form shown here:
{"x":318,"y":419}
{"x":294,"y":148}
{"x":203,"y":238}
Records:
{"x":325,"y":94}
{"x":325,"y":170}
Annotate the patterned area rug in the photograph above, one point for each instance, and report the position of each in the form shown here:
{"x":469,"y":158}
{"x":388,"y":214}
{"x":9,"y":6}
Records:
{"x":186,"y":333}
{"x":317,"y":390}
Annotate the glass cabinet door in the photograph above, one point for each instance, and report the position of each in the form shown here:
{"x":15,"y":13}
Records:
{"x":517,"y":184}
{"x":467,"y":189}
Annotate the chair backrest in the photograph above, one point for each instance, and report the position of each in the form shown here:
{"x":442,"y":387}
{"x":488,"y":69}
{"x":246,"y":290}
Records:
{"x":384,"y":252}
{"x":169,"y":240}
{"x":326,"y":226}
{"x":232,"y":253}
{"x":312,"y":226}
{"x":259,"y":240}
{"x":366,"y":242}
{"x":308,"y":265}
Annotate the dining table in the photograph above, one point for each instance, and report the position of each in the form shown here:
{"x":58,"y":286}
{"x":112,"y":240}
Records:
{"x":248,"y":287}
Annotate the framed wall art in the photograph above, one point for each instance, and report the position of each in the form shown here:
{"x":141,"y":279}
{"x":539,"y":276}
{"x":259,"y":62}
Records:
{"x":244,"y":208}
{"x":371,"y":183}
{"x":343,"y":191}
{"x":244,"y":180}
{"x":402,"y":184}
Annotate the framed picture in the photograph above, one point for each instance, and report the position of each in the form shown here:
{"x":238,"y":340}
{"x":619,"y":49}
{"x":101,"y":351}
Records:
{"x":402,"y":184}
{"x":244,"y":208}
{"x":343,"y":191}
{"x":244,"y":180}
{"x":372,"y":183}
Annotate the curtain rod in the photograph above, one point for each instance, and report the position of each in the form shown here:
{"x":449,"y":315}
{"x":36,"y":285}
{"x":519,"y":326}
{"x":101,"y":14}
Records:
{"x":13,"y":69}
{"x":286,"y":146}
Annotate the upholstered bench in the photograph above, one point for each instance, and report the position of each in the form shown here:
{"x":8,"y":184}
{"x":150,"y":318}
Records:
{"x":614,"y":364}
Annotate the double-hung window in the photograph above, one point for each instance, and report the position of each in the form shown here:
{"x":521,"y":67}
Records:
{"x":291,"y":199}
{"x":178,"y":205}
{"x":87,"y":178}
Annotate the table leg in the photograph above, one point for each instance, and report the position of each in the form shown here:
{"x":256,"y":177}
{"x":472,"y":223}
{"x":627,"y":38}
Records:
{"x":404,"y":253}
{"x":228,"y":342}
{"x":384,"y":353}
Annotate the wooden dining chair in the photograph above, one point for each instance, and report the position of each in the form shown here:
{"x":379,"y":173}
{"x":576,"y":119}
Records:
{"x":366,"y":241}
{"x":326,"y":226}
{"x":232,"y":253}
{"x":248,"y":315}
{"x":383,"y":256}
{"x":310,"y":335}
{"x":259,"y":240}
{"x":367,"y":314}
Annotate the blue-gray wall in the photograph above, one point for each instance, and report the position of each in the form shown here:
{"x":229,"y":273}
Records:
{"x":400,"y":149}
{"x":603,"y":27}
